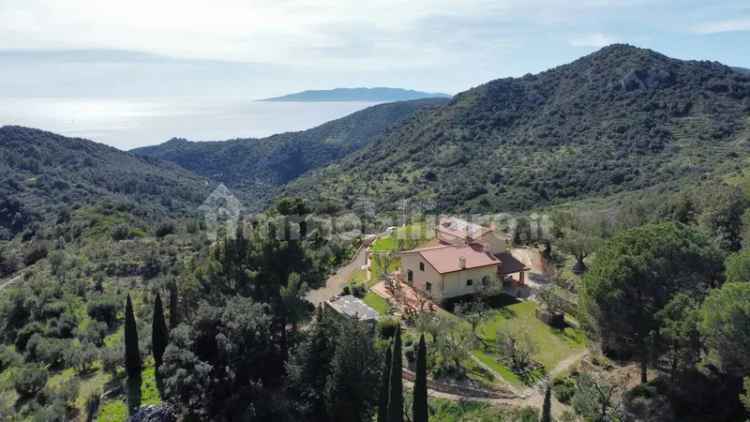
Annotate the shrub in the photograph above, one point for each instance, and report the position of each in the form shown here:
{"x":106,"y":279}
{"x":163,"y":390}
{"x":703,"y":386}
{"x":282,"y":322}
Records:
{"x":112,"y":359}
{"x":51,"y":351}
{"x":387,"y":327}
{"x":104,"y":308}
{"x":8,"y":358}
{"x":94,"y":333}
{"x":564,"y":389}
{"x":151,"y":267}
{"x":63,"y":327}
{"x":82,"y":357}
{"x":120,"y":232}
{"x":358,"y":290}
{"x":7,"y":264}
{"x":30,"y":380}
{"x":25,"y":334}
{"x":36,"y":252}
{"x":165,"y":229}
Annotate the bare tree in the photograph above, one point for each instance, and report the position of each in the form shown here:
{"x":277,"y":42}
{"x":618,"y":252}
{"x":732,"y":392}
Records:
{"x":598,"y":400}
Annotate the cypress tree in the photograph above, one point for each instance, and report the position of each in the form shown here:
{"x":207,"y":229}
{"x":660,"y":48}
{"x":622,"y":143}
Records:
{"x":396,"y":387}
{"x":547,"y":407}
{"x":384,"y":383}
{"x":132,"y":353}
{"x":420,"y":384}
{"x":159,"y":332}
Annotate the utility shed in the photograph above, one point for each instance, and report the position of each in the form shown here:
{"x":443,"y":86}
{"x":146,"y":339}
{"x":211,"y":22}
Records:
{"x":354,"y":308}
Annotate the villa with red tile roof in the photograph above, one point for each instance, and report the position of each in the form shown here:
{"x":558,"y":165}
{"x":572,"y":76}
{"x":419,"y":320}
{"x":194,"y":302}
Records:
{"x":467,"y":258}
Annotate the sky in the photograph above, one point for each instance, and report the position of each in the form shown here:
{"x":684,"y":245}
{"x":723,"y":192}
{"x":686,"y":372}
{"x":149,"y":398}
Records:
{"x":262,"y":48}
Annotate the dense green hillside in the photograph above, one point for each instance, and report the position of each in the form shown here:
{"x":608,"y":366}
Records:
{"x":259,"y":166}
{"x":44,"y":175}
{"x":620,"y":119}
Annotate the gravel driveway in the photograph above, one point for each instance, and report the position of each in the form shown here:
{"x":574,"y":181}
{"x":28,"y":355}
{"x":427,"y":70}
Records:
{"x":337,"y":281}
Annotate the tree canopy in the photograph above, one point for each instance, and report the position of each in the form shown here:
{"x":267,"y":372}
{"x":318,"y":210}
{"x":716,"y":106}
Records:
{"x":726,"y":326}
{"x":635,"y":275}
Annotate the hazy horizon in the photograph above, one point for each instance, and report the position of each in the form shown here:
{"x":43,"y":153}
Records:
{"x":118,"y":53}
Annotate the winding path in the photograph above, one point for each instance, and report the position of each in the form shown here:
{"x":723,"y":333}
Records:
{"x":6,"y":283}
{"x":532,"y":396}
{"x":337,"y":281}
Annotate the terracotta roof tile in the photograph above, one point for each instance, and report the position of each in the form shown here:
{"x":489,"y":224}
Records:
{"x":447,"y":259}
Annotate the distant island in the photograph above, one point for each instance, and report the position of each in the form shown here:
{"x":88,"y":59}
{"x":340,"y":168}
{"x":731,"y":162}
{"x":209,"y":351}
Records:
{"x":379,"y":94}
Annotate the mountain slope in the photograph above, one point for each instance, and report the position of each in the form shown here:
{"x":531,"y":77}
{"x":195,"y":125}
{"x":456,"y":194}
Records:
{"x":43,"y":174}
{"x":260,"y":166}
{"x":379,"y":94}
{"x":620,"y":119}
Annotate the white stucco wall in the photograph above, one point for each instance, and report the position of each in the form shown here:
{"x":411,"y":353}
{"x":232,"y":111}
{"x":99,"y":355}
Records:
{"x":410,"y":261}
{"x":445,"y":286}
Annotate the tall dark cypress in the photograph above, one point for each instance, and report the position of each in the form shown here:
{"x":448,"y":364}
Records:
{"x":384,"y":384}
{"x":159,"y":332}
{"x":420,"y":384}
{"x":132,"y":353}
{"x":547,"y":407}
{"x":396,"y":388}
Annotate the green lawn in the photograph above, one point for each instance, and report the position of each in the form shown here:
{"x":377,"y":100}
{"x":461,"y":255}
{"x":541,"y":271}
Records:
{"x":553,"y":345}
{"x":412,"y":235}
{"x":384,"y":244}
{"x":376,"y":302}
{"x":498,"y":367}
{"x":117,"y":410}
{"x":113,"y":411}
{"x":448,"y":411}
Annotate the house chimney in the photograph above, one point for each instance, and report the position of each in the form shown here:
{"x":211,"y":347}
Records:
{"x":462,"y":262}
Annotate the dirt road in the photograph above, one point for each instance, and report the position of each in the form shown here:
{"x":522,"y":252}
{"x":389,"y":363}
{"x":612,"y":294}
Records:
{"x":6,"y":283}
{"x":337,"y":281}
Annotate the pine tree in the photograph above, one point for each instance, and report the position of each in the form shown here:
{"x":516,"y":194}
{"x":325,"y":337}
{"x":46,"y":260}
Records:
{"x":396,"y":388}
{"x":384,"y":383}
{"x":132,"y":353}
{"x":420,"y":384}
{"x":547,"y":407}
{"x":159,"y":332}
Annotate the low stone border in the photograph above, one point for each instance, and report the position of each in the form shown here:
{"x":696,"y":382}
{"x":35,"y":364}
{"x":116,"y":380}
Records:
{"x":460,"y":390}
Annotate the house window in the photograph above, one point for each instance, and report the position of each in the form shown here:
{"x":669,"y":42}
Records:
{"x":409,"y":276}
{"x":485,"y":281}
{"x":421,"y":266}
{"x":469,"y":282}
{"x":428,"y":286}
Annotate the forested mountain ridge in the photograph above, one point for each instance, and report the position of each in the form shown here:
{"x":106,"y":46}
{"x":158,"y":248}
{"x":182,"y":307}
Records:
{"x":358,"y":94}
{"x":259,"y":166}
{"x":44,"y":174}
{"x":620,"y":119}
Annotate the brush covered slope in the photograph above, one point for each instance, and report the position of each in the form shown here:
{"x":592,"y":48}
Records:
{"x":258,"y":167}
{"x":44,"y":175}
{"x":617,"y":120}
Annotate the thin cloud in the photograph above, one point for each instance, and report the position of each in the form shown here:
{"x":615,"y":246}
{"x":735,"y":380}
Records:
{"x":730,"y":25}
{"x":596,"y":40}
